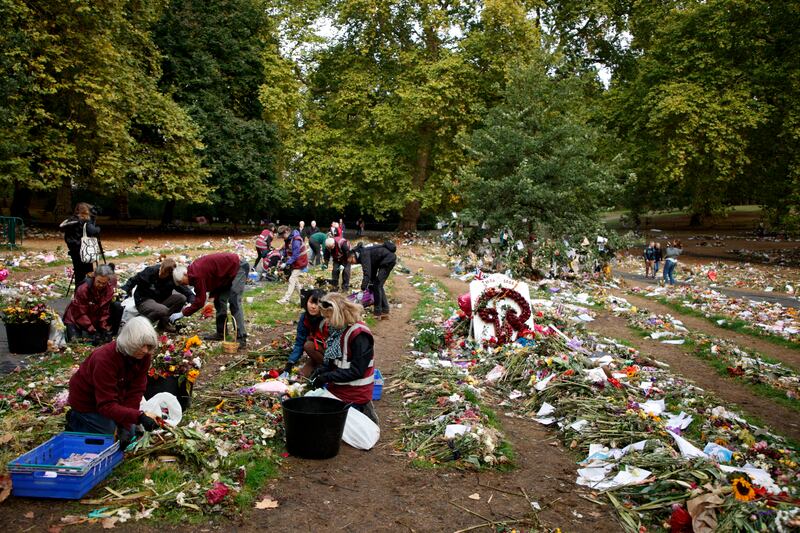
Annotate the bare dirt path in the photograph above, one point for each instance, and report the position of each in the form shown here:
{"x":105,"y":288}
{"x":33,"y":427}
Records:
{"x":782,"y":420}
{"x":790,"y":357}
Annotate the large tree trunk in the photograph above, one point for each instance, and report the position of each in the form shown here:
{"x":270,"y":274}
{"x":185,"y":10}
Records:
{"x":123,"y":210}
{"x":422,"y":171}
{"x":169,"y":213}
{"x":63,"y":207}
{"x":21,"y":202}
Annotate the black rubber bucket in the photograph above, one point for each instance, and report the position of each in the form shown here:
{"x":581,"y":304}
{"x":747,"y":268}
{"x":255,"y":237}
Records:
{"x":314,"y":426}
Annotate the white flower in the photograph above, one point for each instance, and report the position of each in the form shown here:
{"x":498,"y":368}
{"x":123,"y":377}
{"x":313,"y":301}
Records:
{"x":181,"y":498}
{"x":197,"y":362}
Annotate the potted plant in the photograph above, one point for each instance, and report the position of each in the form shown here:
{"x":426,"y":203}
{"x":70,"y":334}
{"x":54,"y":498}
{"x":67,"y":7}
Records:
{"x":27,"y":323}
{"x":175,"y":369}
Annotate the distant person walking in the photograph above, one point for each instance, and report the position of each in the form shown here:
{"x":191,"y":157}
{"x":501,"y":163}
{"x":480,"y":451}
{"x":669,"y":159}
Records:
{"x":674,"y":249}
{"x":649,"y":260}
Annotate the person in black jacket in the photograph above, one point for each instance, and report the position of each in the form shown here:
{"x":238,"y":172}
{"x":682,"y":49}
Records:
{"x":73,"y":232}
{"x":157,"y":296}
{"x":377,"y":263}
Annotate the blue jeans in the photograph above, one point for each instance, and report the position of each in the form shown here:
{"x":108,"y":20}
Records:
{"x":655,"y":267}
{"x":669,"y":271}
{"x":97,"y":423}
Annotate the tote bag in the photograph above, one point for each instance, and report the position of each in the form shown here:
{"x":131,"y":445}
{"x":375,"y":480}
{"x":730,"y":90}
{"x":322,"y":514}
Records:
{"x":90,"y":248}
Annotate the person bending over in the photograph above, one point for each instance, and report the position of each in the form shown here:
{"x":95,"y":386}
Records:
{"x":157,"y":296}
{"x":223,"y":276}
{"x":377,"y":263}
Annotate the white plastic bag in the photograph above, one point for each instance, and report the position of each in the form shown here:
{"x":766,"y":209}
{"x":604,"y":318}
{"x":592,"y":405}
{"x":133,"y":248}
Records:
{"x":360,"y":431}
{"x":166,"y":406}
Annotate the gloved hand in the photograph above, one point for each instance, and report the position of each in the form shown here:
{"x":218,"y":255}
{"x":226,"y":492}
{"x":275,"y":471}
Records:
{"x":147,"y":423}
{"x":175,"y":316}
{"x":316,"y":380}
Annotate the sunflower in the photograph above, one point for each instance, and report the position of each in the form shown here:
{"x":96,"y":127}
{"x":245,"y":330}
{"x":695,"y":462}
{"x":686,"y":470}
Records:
{"x":192,"y":341}
{"x":743,"y":490}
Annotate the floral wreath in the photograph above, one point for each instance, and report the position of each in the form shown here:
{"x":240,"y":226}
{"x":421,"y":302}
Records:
{"x":511,"y":322}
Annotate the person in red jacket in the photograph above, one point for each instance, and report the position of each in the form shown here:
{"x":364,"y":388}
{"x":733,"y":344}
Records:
{"x":106,"y":390}
{"x":223,"y":276}
{"x":338,"y":248}
{"x":88,"y":315}
{"x":348,"y":363}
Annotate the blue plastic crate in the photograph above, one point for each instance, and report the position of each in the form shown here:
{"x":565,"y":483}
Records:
{"x":35,"y":474}
{"x":378,"y":390}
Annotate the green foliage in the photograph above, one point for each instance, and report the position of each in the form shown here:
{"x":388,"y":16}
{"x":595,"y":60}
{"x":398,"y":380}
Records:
{"x":707,"y":109}
{"x":539,"y":171}
{"x":214,"y":67}
{"x":388,"y":101}
{"x":82,"y":104}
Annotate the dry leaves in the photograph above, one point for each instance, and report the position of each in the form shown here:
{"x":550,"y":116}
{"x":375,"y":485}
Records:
{"x":6,"y":438}
{"x":267,"y":503}
{"x":475,"y":496}
{"x":5,"y":487}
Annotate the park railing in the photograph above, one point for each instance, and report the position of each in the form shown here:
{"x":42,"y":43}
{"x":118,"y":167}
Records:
{"x":12,"y":229}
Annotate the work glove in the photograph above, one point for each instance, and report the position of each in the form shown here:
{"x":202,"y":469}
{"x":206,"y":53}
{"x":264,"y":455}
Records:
{"x":175,"y":316}
{"x":147,"y":423}
{"x":316,"y":380}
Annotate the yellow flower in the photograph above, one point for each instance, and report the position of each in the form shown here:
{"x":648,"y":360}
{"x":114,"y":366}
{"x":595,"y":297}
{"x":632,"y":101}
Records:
{"x":193,"y":341}
{"x":192,"y":375}
{"x":172,"y":368}
{"x":743,"y":490}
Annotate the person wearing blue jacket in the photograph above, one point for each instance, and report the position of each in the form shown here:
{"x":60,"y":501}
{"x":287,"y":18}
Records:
{"x":295,"y":260}
{"x":311,"y":335}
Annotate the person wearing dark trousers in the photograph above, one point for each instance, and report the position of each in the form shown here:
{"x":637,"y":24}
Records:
{"x":156,"y":295}
{"x":316,"y":242}
{"x":223,"y":276}
{"x":88,"y":315}
{"x":376,"y":263}
{"x":73,"y":229}
{"x":264,"y":243}
{"x":106,"y":390}
{"x":338,"y":248}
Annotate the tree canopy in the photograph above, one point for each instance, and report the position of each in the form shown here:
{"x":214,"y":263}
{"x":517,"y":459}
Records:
{"x":254,"y":107}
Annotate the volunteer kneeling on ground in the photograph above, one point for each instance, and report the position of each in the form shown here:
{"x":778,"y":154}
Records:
{"x":157,"y":296}
{"x":223,"y":275}
{"x":347,"y":366}
{"x":107,"y":389}
{"x":310,"y":336}
{"x":88,"y":315}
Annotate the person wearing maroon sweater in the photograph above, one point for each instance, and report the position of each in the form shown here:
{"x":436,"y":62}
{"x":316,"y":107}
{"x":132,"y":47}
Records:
{"x":223,"y":276}
{"x":88,"y":315}
{"x":105,"y":392}
{"x":348,"y":363}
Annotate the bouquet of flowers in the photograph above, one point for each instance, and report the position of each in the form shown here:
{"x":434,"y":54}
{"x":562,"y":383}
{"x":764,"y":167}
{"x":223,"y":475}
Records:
{"x":28,"y":311}
{"x":176,"y":358}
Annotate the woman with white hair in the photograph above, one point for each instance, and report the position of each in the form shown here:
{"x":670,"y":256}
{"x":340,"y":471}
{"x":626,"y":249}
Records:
{"x":348,"y":362}
{"x":107,"y":389}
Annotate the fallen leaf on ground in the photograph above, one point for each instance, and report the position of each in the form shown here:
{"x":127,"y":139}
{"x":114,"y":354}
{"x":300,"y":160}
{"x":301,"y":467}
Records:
{"x":29,"y":514}
{"x":5,"y":487}
{"x":5,"y":438}
{"x":266,"y":503}
{"x":475,"y":496}
{"x":110,"y":522}
{"x":54,"y":529}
